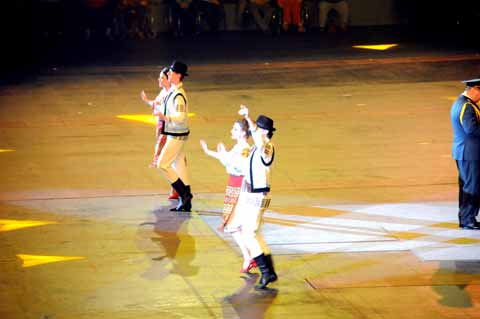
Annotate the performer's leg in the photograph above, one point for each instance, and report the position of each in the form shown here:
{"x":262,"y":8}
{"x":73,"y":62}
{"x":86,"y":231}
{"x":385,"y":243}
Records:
{"x":250,"y":240}
{"x":264,"y":263}
{"x":180,"y":166}
{"x":168,"y":155}
{"x":266,"y":251}
{"x":251,"y":222}
{"x":261,"y":242}
{"x":247,"y":258}
{"x":173,"y":193}
{"x":251,"y":230}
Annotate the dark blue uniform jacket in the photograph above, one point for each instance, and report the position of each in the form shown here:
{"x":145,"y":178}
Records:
{"x":465,"y":117}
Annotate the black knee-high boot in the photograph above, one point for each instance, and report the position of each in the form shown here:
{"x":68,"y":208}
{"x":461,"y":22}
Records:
{"x":185,"y":202}
{"x":267,"y":275}
{"x":270,"y":266}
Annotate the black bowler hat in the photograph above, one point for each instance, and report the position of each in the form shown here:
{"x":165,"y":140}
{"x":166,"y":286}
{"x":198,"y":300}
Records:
{"x":179,"y":67}
{"x":265,"y":122}
{"x":472,"y":82}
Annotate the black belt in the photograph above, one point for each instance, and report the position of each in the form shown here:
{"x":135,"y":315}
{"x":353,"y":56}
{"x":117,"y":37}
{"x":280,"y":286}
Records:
{"x":249,"y":189}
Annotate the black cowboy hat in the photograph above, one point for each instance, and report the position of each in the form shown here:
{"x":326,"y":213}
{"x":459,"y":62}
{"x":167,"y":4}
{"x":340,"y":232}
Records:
{"x":179,"y":67}
{"x":265,"y":122}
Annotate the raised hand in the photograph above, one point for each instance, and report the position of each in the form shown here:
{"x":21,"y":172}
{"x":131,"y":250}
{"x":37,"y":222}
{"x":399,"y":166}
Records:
{"x":243,"y":110}
{"x":144,"y":97}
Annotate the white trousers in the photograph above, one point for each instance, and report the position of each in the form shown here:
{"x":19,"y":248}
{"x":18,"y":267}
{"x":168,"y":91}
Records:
{"x":248,"y":217}
{"x":172,"y":161}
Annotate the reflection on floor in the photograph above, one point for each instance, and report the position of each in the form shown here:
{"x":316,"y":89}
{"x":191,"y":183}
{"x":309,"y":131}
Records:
{"x":429,"y":230}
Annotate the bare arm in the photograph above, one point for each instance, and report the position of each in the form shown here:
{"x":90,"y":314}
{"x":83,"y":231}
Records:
{"x":208,"y":151}
{"x":244,"y":111}
{"x":145,"y":99}
{"x":260,"y":140}
{"x":221,"y":154}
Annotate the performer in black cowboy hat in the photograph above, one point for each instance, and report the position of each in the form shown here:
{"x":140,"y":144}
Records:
{"x":254,"y":197}
{"x":172,"y":161}
{"x":465,"y":117}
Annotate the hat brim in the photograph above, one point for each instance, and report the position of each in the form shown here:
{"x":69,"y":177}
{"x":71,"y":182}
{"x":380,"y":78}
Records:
{"x":472,"y":82}
{"x":267,"y":128}
{"x":184,"y":74}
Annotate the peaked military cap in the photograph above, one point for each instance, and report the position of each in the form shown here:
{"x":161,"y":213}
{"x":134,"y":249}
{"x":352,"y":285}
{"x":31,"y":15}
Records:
{"x":472,"y":82}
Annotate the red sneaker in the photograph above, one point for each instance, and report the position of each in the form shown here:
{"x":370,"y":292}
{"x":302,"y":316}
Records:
{"x":173,"y":195}
{"x":251,"y":265}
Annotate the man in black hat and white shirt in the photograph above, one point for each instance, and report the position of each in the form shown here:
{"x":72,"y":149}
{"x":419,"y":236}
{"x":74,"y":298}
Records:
{"x":254,"y":196}
{"x":465,"y":117}
{"x":172,"y":161}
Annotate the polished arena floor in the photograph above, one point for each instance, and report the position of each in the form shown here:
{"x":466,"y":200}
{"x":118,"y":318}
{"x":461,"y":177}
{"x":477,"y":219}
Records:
{"x":363,"y":220}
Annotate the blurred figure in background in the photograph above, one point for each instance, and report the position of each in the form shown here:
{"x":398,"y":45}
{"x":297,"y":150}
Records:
{"x":341,"y":9}
{"x":98,"y":18}
{"x":261,"y":11}
{"x":292,"y":14}
{"x":131,"y":19}
{"x":183,"y":16}
{"x":212,"y":11}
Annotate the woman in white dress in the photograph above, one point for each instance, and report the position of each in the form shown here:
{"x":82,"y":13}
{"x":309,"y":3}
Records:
{"x":234,"y":161}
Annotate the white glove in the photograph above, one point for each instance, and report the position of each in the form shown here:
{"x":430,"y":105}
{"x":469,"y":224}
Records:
{"x":243,"y":110}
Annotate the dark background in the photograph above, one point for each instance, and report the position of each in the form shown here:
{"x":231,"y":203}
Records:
{"x":26,"y":48}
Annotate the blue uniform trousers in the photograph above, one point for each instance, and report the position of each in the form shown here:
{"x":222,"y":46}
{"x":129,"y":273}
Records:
{"x":469,"y":191}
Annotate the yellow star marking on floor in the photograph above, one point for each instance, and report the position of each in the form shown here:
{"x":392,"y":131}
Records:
{"x":143,"y":118}
{"x":452,"y":98}
{"x":445,"y":225}
{"x":378,"y":47}
{"x":5,"y":150}
{"x":406,"y":235}
{"x":35,"y":260}
{"x":12,"y":224}
{"x":463,"y":241}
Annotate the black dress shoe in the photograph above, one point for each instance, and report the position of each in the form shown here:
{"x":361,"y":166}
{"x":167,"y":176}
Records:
{"x":471,"y":226}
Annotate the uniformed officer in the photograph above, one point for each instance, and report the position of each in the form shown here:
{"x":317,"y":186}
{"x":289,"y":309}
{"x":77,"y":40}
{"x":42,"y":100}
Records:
{"x":465,"y":117}
{"x":172,"y":160}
